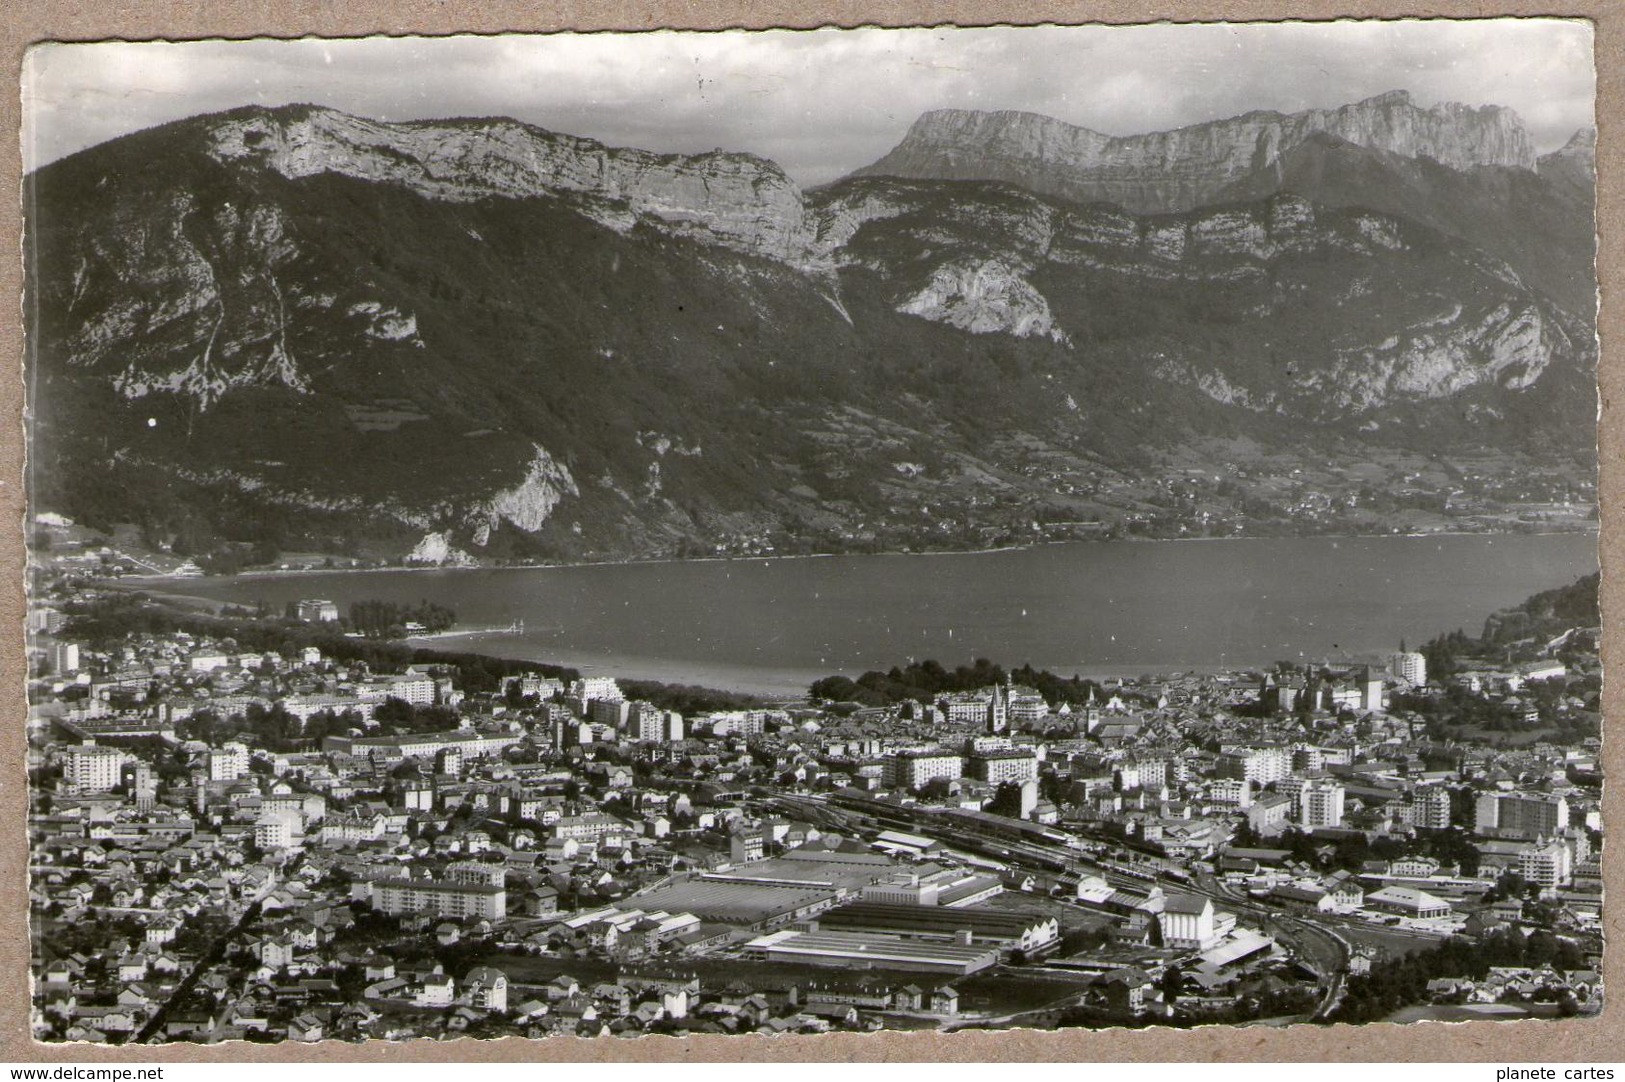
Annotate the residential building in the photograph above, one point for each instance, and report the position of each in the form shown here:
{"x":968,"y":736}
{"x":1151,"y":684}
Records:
{"x":1319,"y":804}
{"x":597,"y":687}
{"x":1270,"y":814}
{"x":1428,"y":808}
{"x":64,"y":658}
{"x":615,"y":713}
{"x":1525,"y":816}
{"x":1548,"y":865}
{"x":915,"y":770}
{"x":89,"y":768}
{"x":440,"y":898}
{"x":1231,"y":792}
{"x":486,"y":988}
{"x":229,"y":762}
{"x":996,"y":768}
{"x":1259,"y":765}
{"x":415,"y":688}
{"x":1410,"y":667}
{"x":277,"y":830}
{"x":317,"y":611}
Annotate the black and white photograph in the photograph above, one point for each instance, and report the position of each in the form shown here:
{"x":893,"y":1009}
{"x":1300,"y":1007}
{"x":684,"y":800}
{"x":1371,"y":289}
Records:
{"x":787,"y":532}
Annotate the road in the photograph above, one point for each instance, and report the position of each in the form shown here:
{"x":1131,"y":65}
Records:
{"x":216,"y":952}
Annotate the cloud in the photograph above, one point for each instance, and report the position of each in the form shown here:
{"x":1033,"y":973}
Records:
{"x":821,"y":102}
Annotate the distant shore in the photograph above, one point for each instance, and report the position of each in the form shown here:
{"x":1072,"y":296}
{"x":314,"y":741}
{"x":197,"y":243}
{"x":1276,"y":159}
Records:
{"x":281,"y":573}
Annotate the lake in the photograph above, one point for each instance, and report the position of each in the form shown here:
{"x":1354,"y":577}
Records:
{"x":1092,"y":608}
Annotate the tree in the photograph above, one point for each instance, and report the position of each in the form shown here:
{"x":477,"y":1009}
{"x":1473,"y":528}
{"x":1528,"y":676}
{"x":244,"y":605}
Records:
{"x":836,"y":688}
{"x":1173,"y":979}
{"x":1540,"y":948}
{"x":395,"y":713}
{"x":282,"y":726}
{"x":1509,"y":885}
{"x":1052,"y":788}
{"x":320,"y":725}
{"x":1007,"y":800}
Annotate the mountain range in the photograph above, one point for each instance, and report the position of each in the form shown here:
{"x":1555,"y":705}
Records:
{"x":477,"y":339}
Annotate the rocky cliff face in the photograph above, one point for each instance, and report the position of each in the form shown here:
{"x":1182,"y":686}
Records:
{"x":163,"y":332}
{"x":1404,"y":334}
{"x":738,"y":200}
{"x":1182,"y":169}
{"x":1575,"y":164}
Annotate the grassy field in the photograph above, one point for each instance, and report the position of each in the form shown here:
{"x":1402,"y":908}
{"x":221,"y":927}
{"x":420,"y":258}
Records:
{"x":1467,"y":1012}
{"x":1392,"y":944}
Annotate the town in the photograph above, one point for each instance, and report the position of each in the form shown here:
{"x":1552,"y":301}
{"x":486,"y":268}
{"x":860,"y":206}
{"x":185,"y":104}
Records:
{"x":238,"y":837}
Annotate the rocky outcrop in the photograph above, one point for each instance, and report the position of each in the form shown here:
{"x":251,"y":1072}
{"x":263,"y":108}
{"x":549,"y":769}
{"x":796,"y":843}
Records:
{"x":986,"y":297}
{"x":738,"y":200}
{"x":1178,"y":170}
{"x":1575,"y":163}
{"x":435,"y":549}
{"x":202,"y":307}
{"x":1507,"y":346}
{"x":1210,"y":382}
{"x":528,"y":504}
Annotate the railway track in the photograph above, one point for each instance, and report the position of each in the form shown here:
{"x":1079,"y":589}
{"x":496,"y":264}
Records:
{"x":1322,"y":949}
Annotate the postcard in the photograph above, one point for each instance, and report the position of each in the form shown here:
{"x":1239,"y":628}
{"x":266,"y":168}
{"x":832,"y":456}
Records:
{"x":793,"y":532}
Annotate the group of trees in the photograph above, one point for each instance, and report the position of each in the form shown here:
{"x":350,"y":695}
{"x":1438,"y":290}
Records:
{"x":232,"y":557}
{"x":1007,"y":800}
{"x":389,"y":620}
{"x":272,"y":728}
{"x":1537,"y":620}
{"x":1402,"y":982}
{"x":1517,"y":634}
{"x":1547,"y":614}
{"x":1267,"y":999}
{"x":1459,"y":706}
{"x":688,"y":699}
{"x":275,"y":729}
{"x":920,"y":680}
{"x":399,"y":716}
{"x":1452,"y":846}
{"x":926,"y":680}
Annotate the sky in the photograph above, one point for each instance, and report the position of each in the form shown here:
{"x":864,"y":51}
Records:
{"x":820,"y":103}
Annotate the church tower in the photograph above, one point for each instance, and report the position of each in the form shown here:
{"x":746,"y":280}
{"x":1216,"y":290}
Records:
{"x":998,"y":711}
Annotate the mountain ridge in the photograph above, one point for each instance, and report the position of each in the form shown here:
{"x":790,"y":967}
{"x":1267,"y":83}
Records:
{"x":463,"y":160}
{"x":1195,"y":162}
{"x":477,"y":337}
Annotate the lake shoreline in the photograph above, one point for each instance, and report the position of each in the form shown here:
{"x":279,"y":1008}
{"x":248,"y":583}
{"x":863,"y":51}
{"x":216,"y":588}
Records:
{"x":1099,"y":609}
{"x":280,"y":574}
